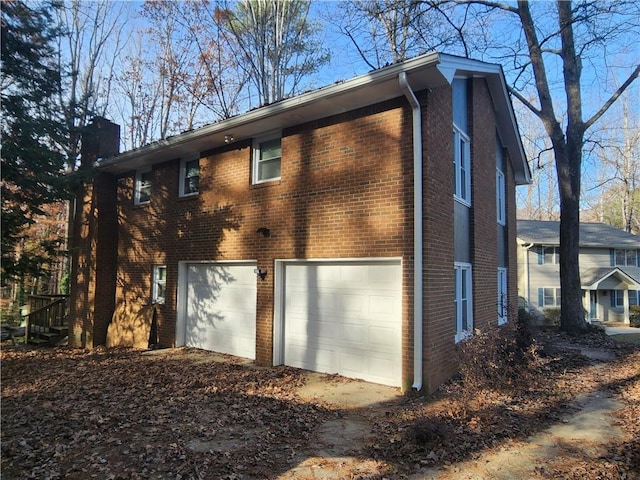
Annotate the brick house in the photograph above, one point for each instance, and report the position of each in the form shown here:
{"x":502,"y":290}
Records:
{"x":291,"y":234}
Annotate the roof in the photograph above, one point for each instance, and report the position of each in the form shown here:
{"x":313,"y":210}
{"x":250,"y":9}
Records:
{"x":592,"y":277}
{"x":423,"y":72}
{"x":592,"y":234}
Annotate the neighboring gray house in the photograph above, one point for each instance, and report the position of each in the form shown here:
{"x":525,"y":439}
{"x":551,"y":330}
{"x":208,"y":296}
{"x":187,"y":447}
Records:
{"x":609,"y":268}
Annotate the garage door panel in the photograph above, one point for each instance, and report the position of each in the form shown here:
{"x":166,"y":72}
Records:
{"x":220,"y":313}
{"x":345,"y":318}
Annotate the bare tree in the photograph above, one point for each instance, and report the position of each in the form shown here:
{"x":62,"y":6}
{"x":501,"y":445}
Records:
{"x":91,"y":35}
{"x":276,"y":45}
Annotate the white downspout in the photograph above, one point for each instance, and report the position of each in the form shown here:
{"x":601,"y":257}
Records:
{"x":417,"y":231}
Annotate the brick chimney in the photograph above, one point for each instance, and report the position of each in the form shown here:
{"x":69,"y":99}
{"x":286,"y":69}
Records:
{"x":94,"y":240}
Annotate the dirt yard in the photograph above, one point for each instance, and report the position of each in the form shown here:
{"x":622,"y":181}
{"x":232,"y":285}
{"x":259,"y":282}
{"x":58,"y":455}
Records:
{"x":184,"y":414}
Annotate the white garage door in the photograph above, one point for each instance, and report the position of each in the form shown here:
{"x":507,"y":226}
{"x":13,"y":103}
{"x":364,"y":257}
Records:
{"x":345,"y":318}
{"x":221,"y":308}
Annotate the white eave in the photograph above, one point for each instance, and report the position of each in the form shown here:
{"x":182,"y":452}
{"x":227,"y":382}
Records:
{"x":431,"y":70}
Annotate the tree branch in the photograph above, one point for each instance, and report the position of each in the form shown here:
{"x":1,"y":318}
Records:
{"x":635,"y":74}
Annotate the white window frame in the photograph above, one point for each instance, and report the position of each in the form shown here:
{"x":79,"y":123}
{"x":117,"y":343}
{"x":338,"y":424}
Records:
{"x":501,"y":201}
{"x":502,"y":296}
{"x":183,"y":176}
{"x":159,"y":284}
{"x":257,"y":159}
{"x":557,"y":295}
{"x":555,"y":256}
{"x":626,"y":254}
{"x":138,"y":187}
{"x":459,"y":301}
{"x":462,"y":166}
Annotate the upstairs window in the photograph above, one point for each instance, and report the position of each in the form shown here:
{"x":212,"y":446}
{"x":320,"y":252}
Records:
{"x":189,"y":177}
{"x":142,"y":189}
{"x":462,"y":166}
{"x":267,"y":157}
{"x":625,"y":258}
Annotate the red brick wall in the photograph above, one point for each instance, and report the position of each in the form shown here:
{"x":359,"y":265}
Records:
{"x":439,"y":330}
{"x":483,"y":215}
{"x":346,"y":192}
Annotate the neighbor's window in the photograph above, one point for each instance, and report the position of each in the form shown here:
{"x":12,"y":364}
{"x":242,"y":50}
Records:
{"x":189,"y":177}
{"x":549,"y":297}
{"x":463,"y":301}
{"x":462,"y":166}
{"x":549,"y":255}
{"x":634,"y":297}
{"x":626,"y":258}
{"x":159,"y":283}
{"x":267,"y":156}
{"x":142,"y":190}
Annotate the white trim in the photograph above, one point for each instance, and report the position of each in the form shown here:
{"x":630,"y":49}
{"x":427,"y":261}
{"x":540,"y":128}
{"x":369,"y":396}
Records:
{"x":460,"y":333}
{"x":155,"y":298}
{"x":418,"y":293}
{"x":138,"y":184}
{"x":183,"y":176}
{"x":501,"y":197}
{"x":256,"y":150}
{"x":458,"y":136}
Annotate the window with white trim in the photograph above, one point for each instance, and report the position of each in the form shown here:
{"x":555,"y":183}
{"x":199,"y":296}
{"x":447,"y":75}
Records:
{"x":501,"y":203}
{"x":463,"y":301}
{"x":502,"y":295}
{"x":267,"y":158}
{"x":189,"y":177}
{"x":634,"y":298}
{"x":159,"y":283}
{"x":549,"y":255}
{"x":142,"y":189}
{"x":462,"y":165}
{"x":626,"y":258}
{"x":549,"y":297}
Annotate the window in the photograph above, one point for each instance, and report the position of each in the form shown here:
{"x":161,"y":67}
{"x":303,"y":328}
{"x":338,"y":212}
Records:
{"x":549,"y":255}
{"x":142,"y":190}
{"x":626,"y":258}
{"x":549,"y":297}
{"x":189,"y":177}
{"x":159,"y":283}
{"x":501,"y":204}
{"x":267,"y":157}
{"x":502,"y":296}
{"x":463,"y":301}
{"x":462,"y":166}
{"x":617,"y":298}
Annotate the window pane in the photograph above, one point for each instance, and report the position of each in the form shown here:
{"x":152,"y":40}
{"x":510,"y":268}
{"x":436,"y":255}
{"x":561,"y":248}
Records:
{"x":631,"y":258}
{"x":549,"y":298}
{"x":633,"y":298}
{"x":620,"y":257}
{"x":269,"y":169}
{"x":270,"y":149}
{"x":558,"y":298}
{"x":192,"y":168}
{"x":191,"y":184}
{"x":465,"y":315}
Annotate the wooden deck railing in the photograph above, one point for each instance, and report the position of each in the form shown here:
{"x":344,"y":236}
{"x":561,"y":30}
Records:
{"x":45,"y":311}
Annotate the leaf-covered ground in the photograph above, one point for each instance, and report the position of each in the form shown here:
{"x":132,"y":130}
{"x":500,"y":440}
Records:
{"x":124,"y":414}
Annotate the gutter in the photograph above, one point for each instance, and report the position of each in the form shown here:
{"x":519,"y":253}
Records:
{"x":417,"y":232}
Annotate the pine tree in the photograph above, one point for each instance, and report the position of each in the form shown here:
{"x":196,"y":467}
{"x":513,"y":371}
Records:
{"x":31,"y":168}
